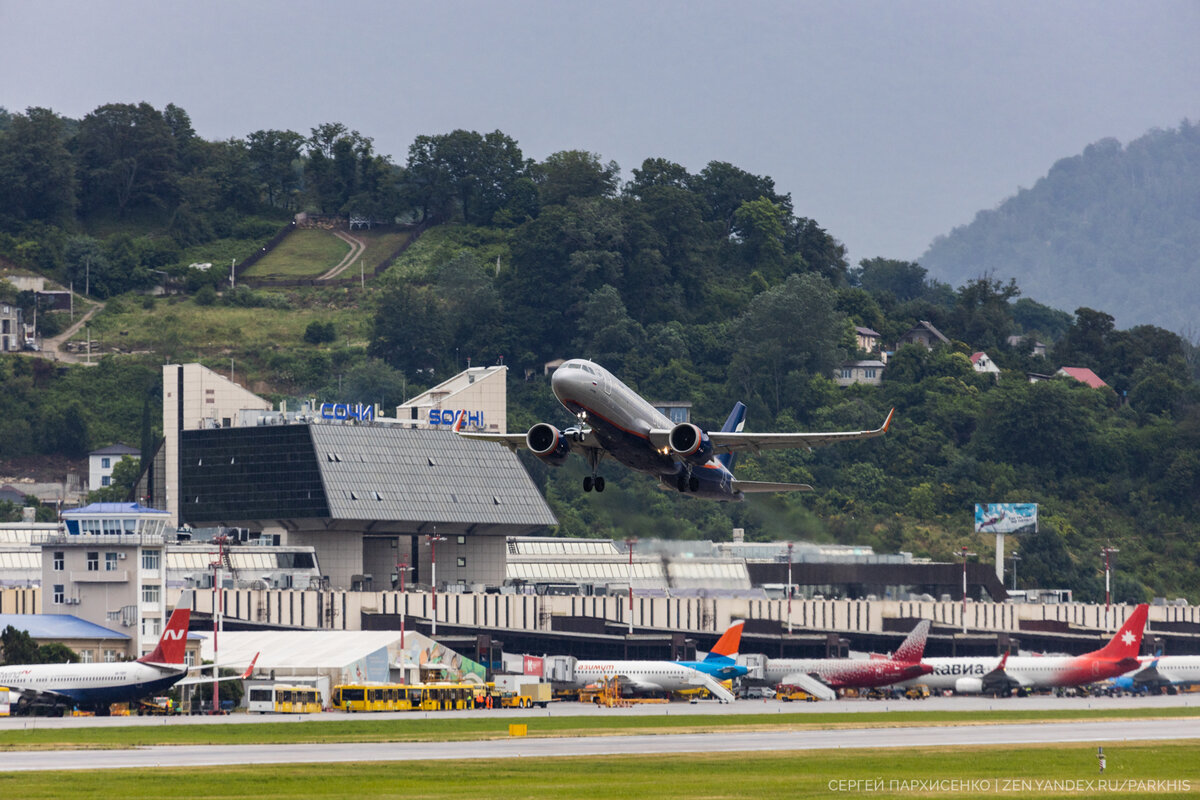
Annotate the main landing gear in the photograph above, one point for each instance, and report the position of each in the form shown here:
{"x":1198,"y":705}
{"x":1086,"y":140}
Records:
{"x":593,"y":481}
{"x":687,"y":482}
{"x":596,"y":483}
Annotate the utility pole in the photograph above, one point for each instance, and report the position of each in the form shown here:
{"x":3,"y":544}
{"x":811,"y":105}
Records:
{"x":629,"y":543}
{"x":1107,"y":553}
{"x":965,"y":556}
{"x":790,"y":545}
{"x":433,"y":540}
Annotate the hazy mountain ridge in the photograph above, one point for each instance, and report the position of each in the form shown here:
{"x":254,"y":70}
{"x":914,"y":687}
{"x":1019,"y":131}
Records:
{"x":1116,"y":228}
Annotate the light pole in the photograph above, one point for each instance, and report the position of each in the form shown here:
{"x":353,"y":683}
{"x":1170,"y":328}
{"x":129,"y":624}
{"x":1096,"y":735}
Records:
{"x":1107,"y":553}
{"x":401,"y":568}
{"x":433,"y":540}
{"x":629,"y":543}
{"x":790,"y":545}
{"x":217,"y":606}
{"x":965,"y":555}
{"x":1015,"y":558}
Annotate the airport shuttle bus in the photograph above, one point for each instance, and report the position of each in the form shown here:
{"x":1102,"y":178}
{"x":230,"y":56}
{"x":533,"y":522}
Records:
{"x":281,"y":699}
{"x":404,"y":697}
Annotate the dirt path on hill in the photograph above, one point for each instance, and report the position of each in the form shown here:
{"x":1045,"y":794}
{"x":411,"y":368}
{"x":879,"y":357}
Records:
{"x":356,"y":249}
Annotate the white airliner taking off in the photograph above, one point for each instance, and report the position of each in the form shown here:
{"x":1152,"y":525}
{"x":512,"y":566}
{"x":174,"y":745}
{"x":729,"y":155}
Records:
{"x":96,"y":686}
{"x":614,"y":420}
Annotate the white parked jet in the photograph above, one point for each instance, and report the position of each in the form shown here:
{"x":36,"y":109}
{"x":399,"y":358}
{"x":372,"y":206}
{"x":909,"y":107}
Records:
{"x":615,"y":420}
{"x":671,"y":676}
{"x":97,"y":686}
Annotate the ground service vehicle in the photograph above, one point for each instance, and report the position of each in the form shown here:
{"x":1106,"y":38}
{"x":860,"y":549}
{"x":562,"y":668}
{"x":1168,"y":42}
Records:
{"x":917,"y":691}
{"x":519,"y":691}
{"x":790,"y":694}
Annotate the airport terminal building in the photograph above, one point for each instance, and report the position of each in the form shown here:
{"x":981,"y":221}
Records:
{"x":377,"y":498}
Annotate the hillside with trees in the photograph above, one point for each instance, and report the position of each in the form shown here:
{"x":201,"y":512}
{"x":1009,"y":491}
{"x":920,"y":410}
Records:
{"x":691,"y":286}
{"x":1115,"y":227}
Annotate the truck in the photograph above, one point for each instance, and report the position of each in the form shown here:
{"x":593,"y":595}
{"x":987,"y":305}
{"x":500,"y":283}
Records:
{"x":522,"y":691}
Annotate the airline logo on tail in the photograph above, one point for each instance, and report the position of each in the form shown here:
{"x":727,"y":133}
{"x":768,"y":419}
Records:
{"x":726,"y":648}
{"x":1127,"y":643}
{"x":173,"y":643}
{"x":912,"y":649}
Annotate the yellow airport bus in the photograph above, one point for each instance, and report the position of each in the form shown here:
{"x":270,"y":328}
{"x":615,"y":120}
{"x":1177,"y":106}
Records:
{"x":281,"y":699}
{"x":404,"y":697}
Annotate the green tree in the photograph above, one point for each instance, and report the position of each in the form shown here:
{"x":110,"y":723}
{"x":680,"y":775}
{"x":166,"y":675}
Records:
{"x":575,"y":173}
{"x":127,"y":158}
{"x":274,"y":158}
{"x":120,"y":488}
{"x":37,"y":176}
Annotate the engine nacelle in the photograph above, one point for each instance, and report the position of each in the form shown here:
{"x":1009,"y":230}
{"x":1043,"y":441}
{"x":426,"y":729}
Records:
{"x":968,"y":686}
{"x":690,"y":443}
{"x":548,"y":443}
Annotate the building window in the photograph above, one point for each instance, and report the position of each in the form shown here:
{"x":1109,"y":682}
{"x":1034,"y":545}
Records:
{"x":462,"y":562}
{"x":59,"y":561}
{"x":151,"y":559}
{"x":59,"y":595}
{"x":110,"y":562}
{"x":846,"y":373}
{"x":93,"y":561}
{"x":105,"y":480}
{"x":110,"y":656}
{"x":151,"y":626}
{"x":189,"y":658}
{"x":150,"y":594}
{"x":86,"y":656}
{"x":870,"y":373}
{"x":105,"y":463}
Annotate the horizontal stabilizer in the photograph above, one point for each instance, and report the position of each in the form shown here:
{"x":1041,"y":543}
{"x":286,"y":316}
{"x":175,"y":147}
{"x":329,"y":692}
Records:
{"x":752,"y":487}
{"x":809,"y":684}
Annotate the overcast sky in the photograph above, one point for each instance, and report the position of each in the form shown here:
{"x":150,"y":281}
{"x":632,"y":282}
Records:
{"x":889,"y":122}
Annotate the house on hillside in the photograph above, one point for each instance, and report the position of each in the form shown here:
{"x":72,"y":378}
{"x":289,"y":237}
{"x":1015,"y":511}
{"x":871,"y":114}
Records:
{"x":1083,"y":375}
{"x":923,"y":333}
{"x":102,"y":461}
{"x":1027,"y":344}
{"x":868,"y":372}
{"x":982,"y":362}
{"x":866,"y":339}
{"x":12,"y":332}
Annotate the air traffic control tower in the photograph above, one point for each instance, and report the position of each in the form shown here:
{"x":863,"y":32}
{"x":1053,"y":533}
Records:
{"x":375,"y":497}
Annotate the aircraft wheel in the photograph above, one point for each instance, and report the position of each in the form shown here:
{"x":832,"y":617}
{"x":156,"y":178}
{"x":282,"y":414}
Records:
{"x":587,"y":483}
{"x":694,"y":484}
{"x":682,"y":483}
{"x":599,"y":484}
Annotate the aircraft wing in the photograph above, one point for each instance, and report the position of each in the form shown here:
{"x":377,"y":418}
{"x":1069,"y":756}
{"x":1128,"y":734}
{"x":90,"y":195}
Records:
{"x":195,"y":679}
{"x":809,"y":684}
{"x":751,"y":487}
{"x":738,"y":441}
{"x":580,"y":440}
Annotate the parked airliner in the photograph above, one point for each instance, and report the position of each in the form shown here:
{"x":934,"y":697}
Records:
{"x":1159,"y":674}
{"x":821,"y":677}
{"x":97,"y":686}
{"x":992,"y":675}
{"x":615,"y":420}
{"x":671,"y":676}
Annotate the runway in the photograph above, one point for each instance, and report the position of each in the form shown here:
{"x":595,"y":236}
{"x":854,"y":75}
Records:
{"x":722,"y":742}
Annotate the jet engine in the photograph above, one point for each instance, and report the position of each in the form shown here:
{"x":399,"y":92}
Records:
{"x":548,"y":443}
{"x":690,"y":443}
{"x":968,"y":686}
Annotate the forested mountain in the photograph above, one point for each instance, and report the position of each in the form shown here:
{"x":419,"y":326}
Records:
{"x":704,"y":287}
{"x":1116,"y":228}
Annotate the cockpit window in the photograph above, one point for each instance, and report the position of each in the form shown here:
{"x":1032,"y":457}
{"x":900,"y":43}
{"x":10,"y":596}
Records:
{"x":587,"y":369}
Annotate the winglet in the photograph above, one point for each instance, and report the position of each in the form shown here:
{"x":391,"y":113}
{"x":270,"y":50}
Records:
{"x":462,"y":417}
{"x":727,"y":646}
{"x":250,"y":669}
{"x":888,"y":421}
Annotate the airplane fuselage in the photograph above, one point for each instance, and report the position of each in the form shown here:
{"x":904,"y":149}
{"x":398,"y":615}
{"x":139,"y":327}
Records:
{"x":1030,"y":672}
{"x":844,"y":673}
{"x":621,"y":419}
{"x":91,"y":684}
{"x":665,"y":676}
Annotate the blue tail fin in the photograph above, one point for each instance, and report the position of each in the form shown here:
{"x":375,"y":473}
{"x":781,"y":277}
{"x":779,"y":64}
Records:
{"x":737,"y":418}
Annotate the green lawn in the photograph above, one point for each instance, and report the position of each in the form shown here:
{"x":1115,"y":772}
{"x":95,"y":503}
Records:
{"x":1134,"y":771}
{"x":302,"y":254}
{"x":340,"y":728}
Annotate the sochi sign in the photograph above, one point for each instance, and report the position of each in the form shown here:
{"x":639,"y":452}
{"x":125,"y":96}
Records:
{"x":449,"y":418}
{"x":346,"y":411}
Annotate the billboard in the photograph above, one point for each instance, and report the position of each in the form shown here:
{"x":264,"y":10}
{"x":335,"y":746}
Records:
{"x":1006,"y":518}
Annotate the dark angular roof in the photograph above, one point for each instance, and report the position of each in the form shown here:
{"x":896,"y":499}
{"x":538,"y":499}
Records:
{"x":117,"y":449}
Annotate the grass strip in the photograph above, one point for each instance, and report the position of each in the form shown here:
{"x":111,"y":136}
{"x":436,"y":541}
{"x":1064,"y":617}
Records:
{"x":1133,"y":771}
{"x":339,"y":728}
